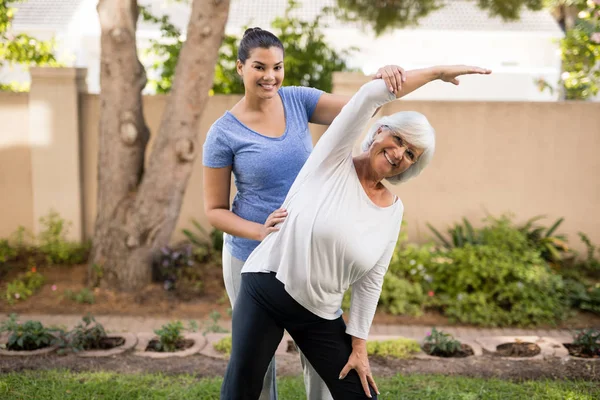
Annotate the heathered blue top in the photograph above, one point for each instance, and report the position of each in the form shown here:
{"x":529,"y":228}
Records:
{"x":264,"y":168}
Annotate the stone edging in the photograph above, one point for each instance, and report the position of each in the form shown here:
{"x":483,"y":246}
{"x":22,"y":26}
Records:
{"x":130,"y":342}
{"x":24,"y":353}
{"x":146,"y":337}
{"x":549,"y":347}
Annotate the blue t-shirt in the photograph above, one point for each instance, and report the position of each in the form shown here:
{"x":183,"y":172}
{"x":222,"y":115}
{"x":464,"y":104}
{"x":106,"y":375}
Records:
{"x":264,"y":168}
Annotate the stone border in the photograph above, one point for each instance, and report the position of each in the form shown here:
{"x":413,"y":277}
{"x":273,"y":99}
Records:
{"x":24,"y":353}
{"x":550,"y":347}
{"x":130,"y":342}
{"x":145,"y":338}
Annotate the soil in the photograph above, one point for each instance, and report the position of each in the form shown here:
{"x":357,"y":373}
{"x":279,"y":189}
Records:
{"x":184,"y":344}
{"x":464,"y":351}
{"x":108,"y":343}
{"x":201,"y":366}
{"x":154,"y":301}
{"x":578,"y":351}
{"x":520,"y":349}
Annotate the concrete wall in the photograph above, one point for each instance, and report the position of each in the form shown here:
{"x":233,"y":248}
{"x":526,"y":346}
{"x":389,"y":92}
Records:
{"x":527,"y":158}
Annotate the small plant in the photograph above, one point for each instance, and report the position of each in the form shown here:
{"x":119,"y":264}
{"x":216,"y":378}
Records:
{"x":439,"y":343}
{"x":207,"y":246}
{"x":223,"y":345}
{"x":87,"y":335}
{"x":543,"y":239}
{"x":460,"y":234}
{"x":212,"y":325}
{"x":170,"y":265}
{"x":24,"y":286}
{"x":591,"y":264}
{"x":53,"y":243}
{"x":397,"y":348}
{"x":30,"y":335}
{"x":84,"y":296}
{"x":170,"y":336}
{"x":7,"y":252}
{"x":588,"y":341}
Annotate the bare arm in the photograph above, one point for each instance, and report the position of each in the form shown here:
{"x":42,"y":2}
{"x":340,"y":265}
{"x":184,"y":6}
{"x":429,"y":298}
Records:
{"x":217,"y":184}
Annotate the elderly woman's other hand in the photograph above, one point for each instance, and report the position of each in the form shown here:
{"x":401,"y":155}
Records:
{"x":449,"y":73}
{"x":359,"y":361}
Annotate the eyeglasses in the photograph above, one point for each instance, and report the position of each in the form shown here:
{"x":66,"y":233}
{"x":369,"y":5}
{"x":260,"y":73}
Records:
{"x":409,"y":156}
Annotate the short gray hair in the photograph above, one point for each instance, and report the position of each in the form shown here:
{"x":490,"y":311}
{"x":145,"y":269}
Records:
{"x":413,"y":127}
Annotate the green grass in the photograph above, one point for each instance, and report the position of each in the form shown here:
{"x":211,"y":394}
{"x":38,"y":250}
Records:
{"x":107,"y":385}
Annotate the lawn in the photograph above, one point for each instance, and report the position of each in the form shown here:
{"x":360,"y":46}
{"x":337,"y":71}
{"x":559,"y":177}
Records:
{"x":107,"y":385}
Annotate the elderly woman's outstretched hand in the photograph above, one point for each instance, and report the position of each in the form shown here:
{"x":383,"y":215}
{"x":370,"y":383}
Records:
{"x":359,"y":361}
{"x":449,"y":73}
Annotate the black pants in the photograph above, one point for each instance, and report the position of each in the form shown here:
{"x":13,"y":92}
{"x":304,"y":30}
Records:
{"x":262,"y":311}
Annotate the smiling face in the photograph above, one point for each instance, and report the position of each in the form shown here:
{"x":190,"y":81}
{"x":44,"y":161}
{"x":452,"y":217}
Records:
{"x":262,"y":72}
{"x":391,"y":155}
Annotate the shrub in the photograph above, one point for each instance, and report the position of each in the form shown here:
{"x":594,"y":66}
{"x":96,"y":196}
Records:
{"x":86,"y":335}
{"x":170,"y":264}
{"x":589,"y":341}
{"x":24,"y":286}
{"x":440,"y":343}
{"x":496,"y":278}
{"x":53,"y":243}
{"x":396,"y":348}
{"x":7,"y":253}
{"x":170,"y":336}
{"x":84,"y":296}
{"x":223,"y":345}
{"x":30,"y":335}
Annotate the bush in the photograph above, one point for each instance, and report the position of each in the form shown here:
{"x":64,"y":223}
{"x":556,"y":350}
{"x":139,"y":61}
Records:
{"x":396,"y":348}
{"x":30,"y":335}
{"x":223,"y":345}
{"x":53,"y":243}
{"x":24,"y":286}
{"x":170,"y":336}
{"x":86,"y":335}
{"x":589,"y":340}
{"x":495,"y":278}
{"x":170,"y":265}
{"x":440,"y":343}
{"x":7,"y":253}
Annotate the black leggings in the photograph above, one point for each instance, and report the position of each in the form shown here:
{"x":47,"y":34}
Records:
{"x":262,"y":311}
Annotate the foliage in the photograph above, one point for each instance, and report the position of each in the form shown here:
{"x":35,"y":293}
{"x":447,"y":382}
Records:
{"x":461,"y":234}
{"x":580,"y":52}
{"x":223,"y":345}
{"x":552,"y":247}
{"x":396,"y":348}
{"x":21,"y":48}
{"x":86,"y":335}
{"x":54,"y":245}
{"x":497,"y":279}
{"x":170,"y":335}
{"x":24,"y":286}
{"x":7,"y":252}
{"x":206,"y":246}
{"x":383,"y":16}
{"x":589,"y":340}
{"x":30,"y":335}
{"x":591,"y":264}
{"x":84,"y":296}
{"x":170,"y":265}
{"x":212,"y":325}
{"x":441,"y":343}
{"x":309,"y":60}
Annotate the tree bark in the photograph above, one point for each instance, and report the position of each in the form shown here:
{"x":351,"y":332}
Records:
{"x":138,"y":207}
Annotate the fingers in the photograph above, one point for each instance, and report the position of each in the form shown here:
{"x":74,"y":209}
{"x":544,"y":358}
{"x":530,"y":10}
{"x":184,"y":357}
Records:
{"x":365,"y":384}
{"x":345,"y":371}
{"x":372,"y":383}
{"x":393,"y":76}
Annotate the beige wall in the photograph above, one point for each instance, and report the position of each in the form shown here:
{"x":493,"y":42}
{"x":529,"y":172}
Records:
{"x":492,"y":157}
{"x":16,"y":196}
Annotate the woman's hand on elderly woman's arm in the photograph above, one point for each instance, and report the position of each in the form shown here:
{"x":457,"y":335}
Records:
{"x":359,"y":361}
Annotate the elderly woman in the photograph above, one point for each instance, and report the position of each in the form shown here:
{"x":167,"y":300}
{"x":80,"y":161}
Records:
{"x":340,"y":232}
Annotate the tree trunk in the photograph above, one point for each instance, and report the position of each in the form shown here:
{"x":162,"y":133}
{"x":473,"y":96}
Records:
{"x":138,"y":208}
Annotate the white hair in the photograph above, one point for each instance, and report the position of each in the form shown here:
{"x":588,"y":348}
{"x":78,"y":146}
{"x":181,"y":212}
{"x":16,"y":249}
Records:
{"x":413,"y":127}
